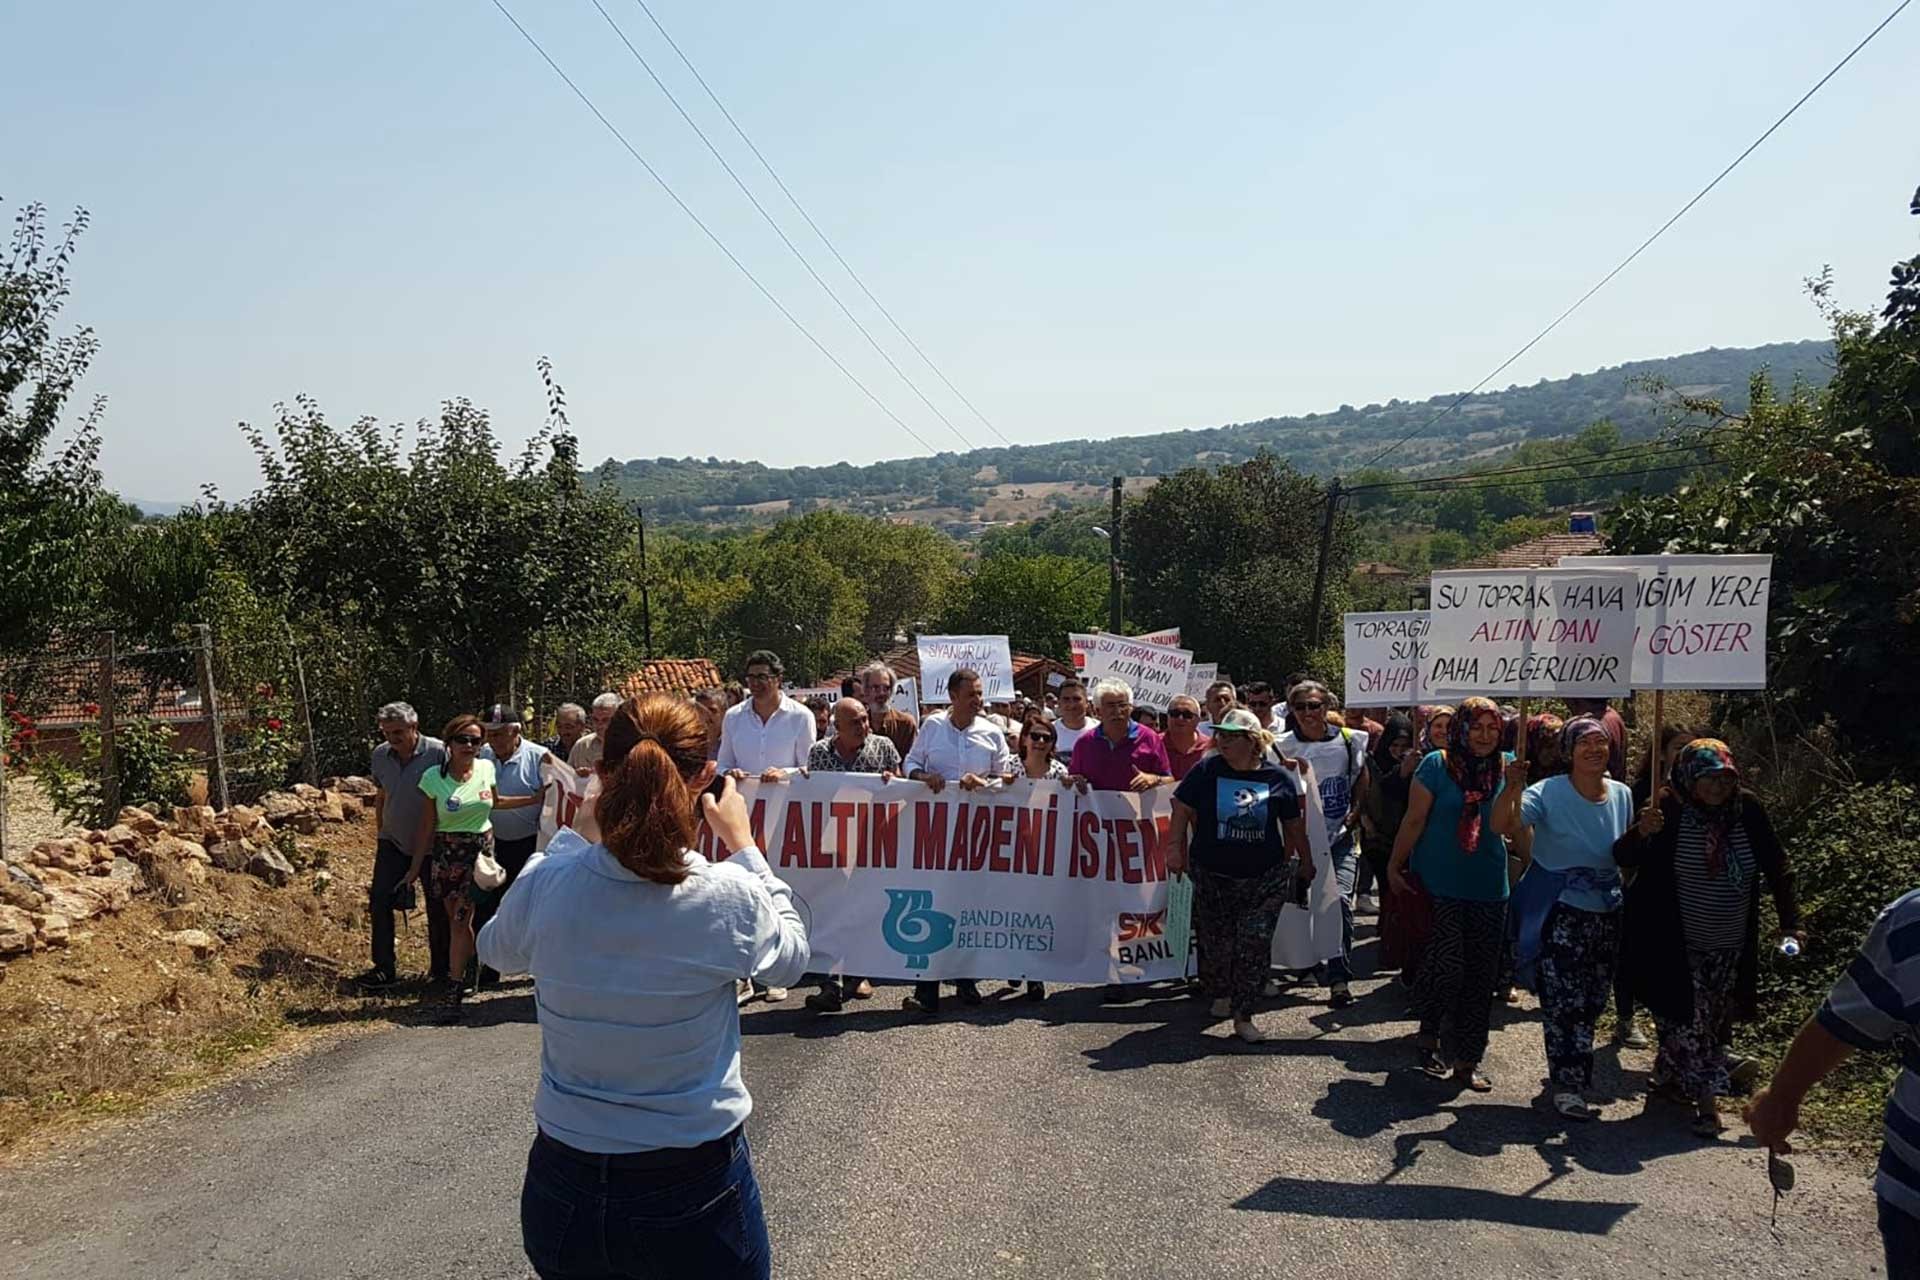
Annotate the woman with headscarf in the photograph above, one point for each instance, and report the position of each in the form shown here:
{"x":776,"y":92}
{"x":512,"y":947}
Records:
{"x":1650,"y":776}
{"x":1544,"y":758}
{"x":1569,"y":901}
{"x":1693,"y":918}
{"x":1456,"y":856}
{"x":1436,"y":725}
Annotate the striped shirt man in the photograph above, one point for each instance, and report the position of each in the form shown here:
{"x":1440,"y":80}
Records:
{"x":1876,"y":1005}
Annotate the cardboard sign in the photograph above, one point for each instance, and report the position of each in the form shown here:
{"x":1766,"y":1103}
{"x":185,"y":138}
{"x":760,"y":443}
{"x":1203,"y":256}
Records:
{"x":1385,"y":653}
{"x":1156,"y":672}
{"x":1530,"y":632}
{"x":1700,"y":622}
{"x":1199,"y":676}
{"x":906,"y":696}
{"x":941,"y":656}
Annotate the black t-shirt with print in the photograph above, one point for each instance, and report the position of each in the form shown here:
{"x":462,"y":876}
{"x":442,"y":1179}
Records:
{"x":1238,"y":816}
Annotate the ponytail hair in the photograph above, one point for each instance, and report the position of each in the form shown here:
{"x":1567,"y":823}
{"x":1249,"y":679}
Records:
{"x":655,"y":745}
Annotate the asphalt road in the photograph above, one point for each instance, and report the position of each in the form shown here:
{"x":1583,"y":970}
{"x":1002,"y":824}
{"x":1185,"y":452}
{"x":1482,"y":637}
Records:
{"x":1061,"y":1139}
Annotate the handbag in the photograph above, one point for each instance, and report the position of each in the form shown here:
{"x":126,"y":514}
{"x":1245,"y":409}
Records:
{"x":488,"y":874}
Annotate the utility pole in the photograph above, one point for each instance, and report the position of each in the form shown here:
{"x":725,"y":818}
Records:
{"x":1320,"y":569}
{"x":1116,"y":599}
{"x":646,"y":601}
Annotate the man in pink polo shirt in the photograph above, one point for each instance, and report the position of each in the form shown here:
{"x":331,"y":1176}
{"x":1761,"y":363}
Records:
{"x":1124,"y":755}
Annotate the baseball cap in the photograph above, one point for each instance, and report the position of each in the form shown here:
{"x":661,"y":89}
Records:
{"x":500,"y":716}
{"x":1238,"y":720}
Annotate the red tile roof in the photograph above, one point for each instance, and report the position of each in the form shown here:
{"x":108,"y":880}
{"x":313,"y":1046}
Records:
{"x":1541,"y":553}
{"x":672,"y":675}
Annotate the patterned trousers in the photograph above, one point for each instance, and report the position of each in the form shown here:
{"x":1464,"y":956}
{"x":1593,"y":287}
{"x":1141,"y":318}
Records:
{"x":1233,"y":921}
{"x":1690,"y":1057}
{"x":1451,"y":988}
{"x":1575,"y":977}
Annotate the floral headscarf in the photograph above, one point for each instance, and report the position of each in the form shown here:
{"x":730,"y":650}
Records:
{"x":1577,"y":728}
{"x":1543,"y":730}
{"x":1427,"y":741}
{"x":1478,"y":777}
{"x":1703,"y":758}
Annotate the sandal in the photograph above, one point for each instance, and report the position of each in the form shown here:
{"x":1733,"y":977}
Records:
{"x":1468,"y":1077}
{"x":1429,"y":1061}
{"x":1707,"y":1122}
{"x":1574,"y":1107}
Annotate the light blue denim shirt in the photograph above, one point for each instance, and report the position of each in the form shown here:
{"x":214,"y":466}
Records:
{"x":634,"y":983}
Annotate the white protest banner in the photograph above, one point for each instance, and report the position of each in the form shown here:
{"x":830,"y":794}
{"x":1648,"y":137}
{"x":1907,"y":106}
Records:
{"x":941,"y":656}
{"x":1529,"y":632}
{"x":831,"y":692}
{"x":1700,"y":621}
{"x":1199,"y":676}
{"x":1021,"y":880}
{"x":1156,"y":672}
{"x":1385,"y":652}
{"x":906,"y":696}
{"x":1168,"y":639}
{"x":1305,"y":936}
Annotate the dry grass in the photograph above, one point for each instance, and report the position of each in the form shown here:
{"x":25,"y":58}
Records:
{"x":123,"y":1017}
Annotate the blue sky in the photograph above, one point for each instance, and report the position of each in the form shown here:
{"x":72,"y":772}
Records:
{"x":1098,"y":218}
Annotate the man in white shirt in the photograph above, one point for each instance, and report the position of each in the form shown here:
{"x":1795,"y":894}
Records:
{"x":1073,"y":723}
{"x":766,"y":737}
{"x":957,"y":745}
{"x":769,"y":735}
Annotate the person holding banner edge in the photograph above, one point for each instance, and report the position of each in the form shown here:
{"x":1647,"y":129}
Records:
{"x":1448,"y":851}
{"x":1237,"y":829}
{"x":1569,"y":903}
{"x":1339,"y":760}
{"x":958,"y":745}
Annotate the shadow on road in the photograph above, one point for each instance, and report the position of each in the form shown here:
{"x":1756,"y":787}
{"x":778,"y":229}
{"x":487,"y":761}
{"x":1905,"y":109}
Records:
{"x":1404,"y":1203}
{"x":408,"y":1006}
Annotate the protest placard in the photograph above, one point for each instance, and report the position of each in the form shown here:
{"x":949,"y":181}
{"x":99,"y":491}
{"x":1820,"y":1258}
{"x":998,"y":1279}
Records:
{"x":1156,"y":672}
{"x":831,"y":692}
{"x":1199,"y":676}
{"x":1700,"y":622}
{"x":1169,"y":639}
{"x":906,"y":696}
{"x":1528,"y":632}
{"x":1385,"y":654}
{"x":941,"y":656}
{"x":1020,"y":880}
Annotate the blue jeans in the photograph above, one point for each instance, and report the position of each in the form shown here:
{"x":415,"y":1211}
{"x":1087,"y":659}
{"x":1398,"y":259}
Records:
{"x":1345,"y":854}
{"x":581,"y":1220}
{"x":1900,"y":1236}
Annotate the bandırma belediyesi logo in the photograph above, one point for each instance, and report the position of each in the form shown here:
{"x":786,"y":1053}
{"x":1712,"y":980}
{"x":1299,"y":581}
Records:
{"x":913,"y":928}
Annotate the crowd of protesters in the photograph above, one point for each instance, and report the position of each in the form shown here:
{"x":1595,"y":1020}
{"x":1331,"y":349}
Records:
{"x":1492,"y":852}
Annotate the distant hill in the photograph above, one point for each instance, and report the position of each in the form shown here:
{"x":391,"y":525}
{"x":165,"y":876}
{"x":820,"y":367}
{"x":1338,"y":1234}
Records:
{"x":1025,"y":480}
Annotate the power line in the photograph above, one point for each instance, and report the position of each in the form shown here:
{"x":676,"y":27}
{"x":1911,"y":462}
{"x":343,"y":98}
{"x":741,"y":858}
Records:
{"x":801,"y":209}
{"x":719,"y":244}
{"x":1645,"y":244}
{"x":1611,"y":455}
{"x":761,"y":210}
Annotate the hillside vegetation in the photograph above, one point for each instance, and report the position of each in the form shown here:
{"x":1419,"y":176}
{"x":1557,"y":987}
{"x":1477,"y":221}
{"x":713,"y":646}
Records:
{"x":1024,"y":481}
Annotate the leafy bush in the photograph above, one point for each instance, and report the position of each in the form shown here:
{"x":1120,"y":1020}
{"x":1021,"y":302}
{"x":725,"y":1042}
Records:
{"x":151,"y":773}
{"x":1853,"y":850}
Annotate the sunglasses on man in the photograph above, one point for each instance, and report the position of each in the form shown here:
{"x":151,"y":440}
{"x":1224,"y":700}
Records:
{"x":1309,"y":706}
{"x":1183,"y":715}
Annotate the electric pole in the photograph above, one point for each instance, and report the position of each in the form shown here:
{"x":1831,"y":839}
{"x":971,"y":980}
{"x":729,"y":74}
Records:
{"x":1320,"y":569}
{"x":646,"y":603}
{"x":1116,"y":601}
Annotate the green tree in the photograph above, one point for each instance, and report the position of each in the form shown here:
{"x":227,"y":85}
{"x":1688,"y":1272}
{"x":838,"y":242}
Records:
{"x":1229,"y":555}
{"x":51,"y":508}
{"x":1035,"y":601}
{"x":802,"y":607}
{"x":1828,"y":483}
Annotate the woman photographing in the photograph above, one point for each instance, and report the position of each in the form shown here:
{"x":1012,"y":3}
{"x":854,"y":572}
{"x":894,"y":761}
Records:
{"x":635,"y":945}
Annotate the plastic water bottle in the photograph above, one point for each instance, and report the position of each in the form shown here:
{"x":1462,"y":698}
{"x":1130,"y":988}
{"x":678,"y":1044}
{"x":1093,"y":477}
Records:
{"x":1789,"y":946}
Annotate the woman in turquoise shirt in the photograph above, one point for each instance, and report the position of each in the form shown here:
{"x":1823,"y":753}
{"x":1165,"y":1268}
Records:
{"x":1569,"y":903}
{"x":1458,"y":859}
